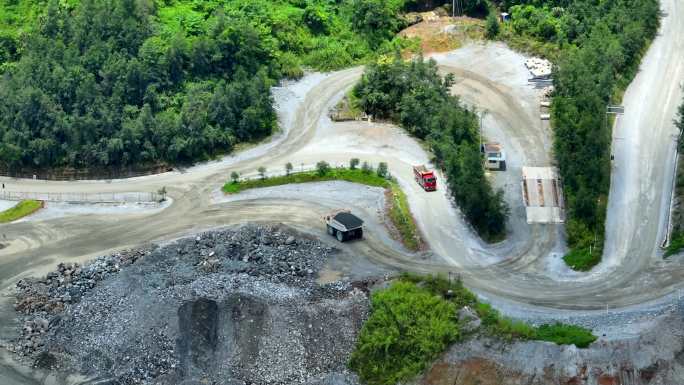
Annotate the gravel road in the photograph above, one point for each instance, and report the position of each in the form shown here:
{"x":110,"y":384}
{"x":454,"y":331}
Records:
{"x":516,"y":274}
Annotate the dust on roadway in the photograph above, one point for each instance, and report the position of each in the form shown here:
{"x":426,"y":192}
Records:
{"x":515,"y":274}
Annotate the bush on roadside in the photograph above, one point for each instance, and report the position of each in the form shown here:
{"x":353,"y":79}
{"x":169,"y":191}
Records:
{"x":582,"y":259}
{"x":675,"y":246}
{"x":408,"y":327}
{"x":366,"y":168}
{"x":382,"y":170}
{"x":322,"y":168}
{"x":563,"y":334}
{"x":353,"y":163}
{"x":415,"y":320}
{"x":492,"y":27}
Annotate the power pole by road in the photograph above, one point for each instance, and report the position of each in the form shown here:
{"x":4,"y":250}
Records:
{"x":482,"y":115}
{"x":456,"y":5}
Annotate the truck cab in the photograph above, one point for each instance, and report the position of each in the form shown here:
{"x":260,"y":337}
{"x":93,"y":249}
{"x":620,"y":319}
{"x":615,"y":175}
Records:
{"x":425,"y":178}
{"x":495,"y":157}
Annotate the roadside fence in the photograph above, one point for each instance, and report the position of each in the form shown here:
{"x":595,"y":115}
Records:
{"x":301,"y":168}
{"x":72,"y":174}
{"x":79,"y":197}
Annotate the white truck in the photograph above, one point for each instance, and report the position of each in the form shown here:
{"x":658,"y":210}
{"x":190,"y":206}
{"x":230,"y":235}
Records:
{"x":344,"y":225}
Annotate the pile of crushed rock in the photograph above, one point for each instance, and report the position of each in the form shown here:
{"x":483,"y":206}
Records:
{"x":236,"y":306}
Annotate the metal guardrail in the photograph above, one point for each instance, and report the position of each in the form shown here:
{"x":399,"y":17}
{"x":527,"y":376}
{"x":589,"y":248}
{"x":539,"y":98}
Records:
{"x":130,"y":197}
{"x":71,"y":174}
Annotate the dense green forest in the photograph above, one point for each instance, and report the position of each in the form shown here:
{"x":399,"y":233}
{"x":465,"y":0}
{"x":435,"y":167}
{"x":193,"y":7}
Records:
{"x":117,"y":83}
{"x":417,"y":97}
{"x":677,"y":232}
{"x":600,"y":45}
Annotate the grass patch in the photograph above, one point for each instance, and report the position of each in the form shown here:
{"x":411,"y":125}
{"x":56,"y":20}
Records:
{"x":355,"y":176}
{"x":22,"y":209}
{"x":582,"y":259}
{"x":528,"y":44}
{"x":398,"y":208}
{"x":563,"y":334}
{"x":414,"y":320}
{"x":675,"y":246}
{"x":401,"y":218}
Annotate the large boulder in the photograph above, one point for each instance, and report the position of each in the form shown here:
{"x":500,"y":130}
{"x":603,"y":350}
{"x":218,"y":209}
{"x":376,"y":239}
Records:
{"x":468,"y":319}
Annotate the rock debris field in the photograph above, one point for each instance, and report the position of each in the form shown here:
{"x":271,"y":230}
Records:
{"x":235,"y":306}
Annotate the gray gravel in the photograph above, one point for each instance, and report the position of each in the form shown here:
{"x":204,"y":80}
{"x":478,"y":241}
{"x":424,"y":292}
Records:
{"x":236,"y":306}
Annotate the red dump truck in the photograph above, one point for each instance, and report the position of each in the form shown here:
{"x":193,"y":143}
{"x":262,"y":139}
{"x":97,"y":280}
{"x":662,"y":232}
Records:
{"x":425,"y":178}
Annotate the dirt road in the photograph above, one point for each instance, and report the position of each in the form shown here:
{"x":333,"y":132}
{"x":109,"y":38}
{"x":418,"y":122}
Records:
{"x":523,"y":274}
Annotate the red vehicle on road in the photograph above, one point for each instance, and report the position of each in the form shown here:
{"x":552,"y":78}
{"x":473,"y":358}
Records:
{"x":425,"y":178}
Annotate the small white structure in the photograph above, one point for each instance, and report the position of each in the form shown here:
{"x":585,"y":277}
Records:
{"x":495,"y":157}
{"x":542,"y":195}
{"x":505,"y":17}
{"x":539,"y":68}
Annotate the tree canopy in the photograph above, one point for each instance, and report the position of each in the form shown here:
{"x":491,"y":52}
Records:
{"x":600,"y":44}
{"x":417,"y":97}
{"x":121,"y":83}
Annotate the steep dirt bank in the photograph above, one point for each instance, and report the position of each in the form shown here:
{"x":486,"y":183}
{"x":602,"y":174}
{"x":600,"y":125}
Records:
{"x":655,"y":357}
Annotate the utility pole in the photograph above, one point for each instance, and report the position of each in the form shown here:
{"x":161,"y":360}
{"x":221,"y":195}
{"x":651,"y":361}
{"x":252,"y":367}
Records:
{"x":456,"y":6}
{"x":482,"y":114}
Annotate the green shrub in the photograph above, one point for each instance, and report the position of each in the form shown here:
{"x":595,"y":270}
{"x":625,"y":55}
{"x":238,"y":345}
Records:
{"x":582,"y":259}
{"x":353,"y":163}
{"x":492,"y":26}
{"x":408,"y":327}
{"x":563,"y":334}
{"x":382,"y":169}
{"x":322,"y":168}
{"x":675,"y":246}
{"x":414,"y":320}
{"x":290,"y":66}
{"x":366,"y":168}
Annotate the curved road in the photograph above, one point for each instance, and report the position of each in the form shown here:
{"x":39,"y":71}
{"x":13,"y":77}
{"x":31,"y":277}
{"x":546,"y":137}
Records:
{"x":517,"y":270}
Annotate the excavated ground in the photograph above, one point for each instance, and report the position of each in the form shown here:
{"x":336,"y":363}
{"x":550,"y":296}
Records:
{"x":655,"y":357}
{"x":236,"y":306}
{"x":246,"y":305}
